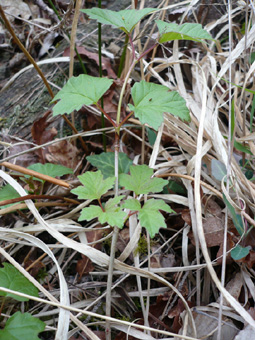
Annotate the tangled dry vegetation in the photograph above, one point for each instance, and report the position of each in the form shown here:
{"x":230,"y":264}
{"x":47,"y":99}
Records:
{"x":186,"y":283}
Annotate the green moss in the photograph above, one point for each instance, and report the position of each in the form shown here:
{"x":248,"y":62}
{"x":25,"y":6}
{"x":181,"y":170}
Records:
{"x":142,"y":246}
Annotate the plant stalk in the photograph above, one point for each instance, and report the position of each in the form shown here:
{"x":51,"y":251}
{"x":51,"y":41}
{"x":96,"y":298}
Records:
{"x":123,"y":56}
{"x":101,"y":74}
{"x":114,"y":242}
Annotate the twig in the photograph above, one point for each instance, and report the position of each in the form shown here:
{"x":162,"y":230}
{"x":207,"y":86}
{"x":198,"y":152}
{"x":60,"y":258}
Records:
{"x":29,"y":197}
{"x":35,"y":174}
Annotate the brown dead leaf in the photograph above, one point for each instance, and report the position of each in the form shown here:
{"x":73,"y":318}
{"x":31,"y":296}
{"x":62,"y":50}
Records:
{"x":175,"y":314}
{"x":63,"y":153}
{"x":207,"y":323}
{"x":23,"y":160}
{"x":34,"y":269}
{"x":230,"y":245}
{"x":212,"y":207}
{"x":84,"y":265}
{"x":41,"y":135}
{"x":249,"y":259}
{"x":186,"y":216}
{"x":123,"y":239}
{"x":213,"y":229}
{"x":234,"y":287}
{"x":106,"y":62}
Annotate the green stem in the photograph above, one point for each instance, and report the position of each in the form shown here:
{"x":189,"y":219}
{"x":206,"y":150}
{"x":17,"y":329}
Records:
{"x":134,"y":62}
{"x":113,"y":243}
{"x":123,"y":91}
{"x":101,"y":74}
{"x":54,"y":9}
{"x":123,"y":56}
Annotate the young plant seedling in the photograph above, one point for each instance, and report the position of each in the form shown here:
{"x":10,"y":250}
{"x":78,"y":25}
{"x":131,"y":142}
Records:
{"x":148,"y":103}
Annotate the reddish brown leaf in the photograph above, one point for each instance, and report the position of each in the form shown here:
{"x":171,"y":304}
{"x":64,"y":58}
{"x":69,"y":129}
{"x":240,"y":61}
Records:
{"x":42,"y":135}
{"x":84,"y":266}
{"x":175,"y":314}
{"x":106,"y":63}
{"x":186,"y":216}
{"x":123,"y":239}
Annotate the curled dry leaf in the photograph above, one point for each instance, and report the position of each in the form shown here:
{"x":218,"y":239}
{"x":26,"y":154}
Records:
{"x":63,"y":153}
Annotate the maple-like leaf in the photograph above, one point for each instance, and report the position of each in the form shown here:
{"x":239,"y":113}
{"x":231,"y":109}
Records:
{"x":79,"y":91}
{"x":22,"y":327}
{"x":112,"y":214}
{"x":11,"y":278}
{"x":94,"y":186}
{"x":188,"y":31}
{"x":140,"y":180}
{"x":125,"y":19}
{"x":152,"y":100}
{"x":105,"y":162}
{"x":149,"y":215}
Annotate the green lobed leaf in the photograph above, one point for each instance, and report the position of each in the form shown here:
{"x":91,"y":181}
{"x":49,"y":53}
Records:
{"x":79,"y":91}
{"x":219,"y":170}
{"x":140,"y":180}
{"x":94,"y":186}
{"x":188,"y":31}
{"x":22,"y":327}
{"x":7,"y":193}
{"x":11,"y":278}
{"x":132,"y":204}
{"x":152,"y":100}
{"x":105,"y":163}
{"x":125,"y":20}
{"x":237,"y":219}
{"x":239,"y":252}
{"x":113,"y":215}
{"x":89,"y":213}
{"x":50,"y":169}
{"x":151,"y":218}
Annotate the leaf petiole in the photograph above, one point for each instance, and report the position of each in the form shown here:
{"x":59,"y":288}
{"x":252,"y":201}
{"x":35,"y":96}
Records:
{"x":101,"y":206}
